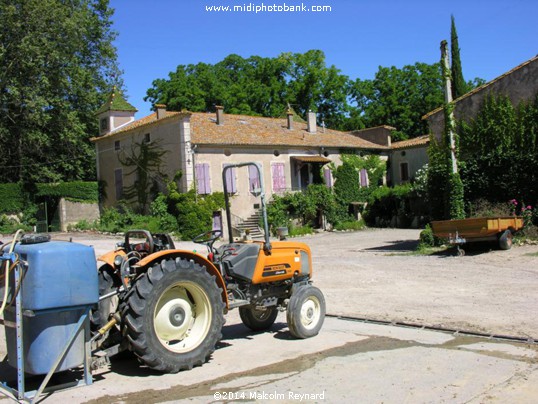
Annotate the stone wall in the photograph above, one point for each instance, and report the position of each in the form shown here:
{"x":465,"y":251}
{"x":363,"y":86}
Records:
{"x":520,"y":83}
{"x":72,"y":212}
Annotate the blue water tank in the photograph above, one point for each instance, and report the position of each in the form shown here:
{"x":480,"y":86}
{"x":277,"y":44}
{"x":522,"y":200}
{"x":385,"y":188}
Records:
{"x":60,"y":274}
{"x":60,"y":277}
{"x":44,"y":337}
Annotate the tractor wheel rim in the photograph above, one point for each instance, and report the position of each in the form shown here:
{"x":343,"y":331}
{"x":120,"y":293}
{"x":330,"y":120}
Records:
{"x":310,"y":313}
{"x":182,"y":317}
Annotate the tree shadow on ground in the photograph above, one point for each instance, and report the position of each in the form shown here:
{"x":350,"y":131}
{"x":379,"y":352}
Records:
{"x":395,"y":246}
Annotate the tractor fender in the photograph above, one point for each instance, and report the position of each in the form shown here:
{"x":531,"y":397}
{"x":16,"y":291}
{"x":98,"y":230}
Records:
{"x":199,"y":259}
{"x":108,"y":258}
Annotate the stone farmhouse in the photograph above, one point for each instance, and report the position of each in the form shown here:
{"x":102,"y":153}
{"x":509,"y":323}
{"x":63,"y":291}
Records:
{"x":292,"y":154}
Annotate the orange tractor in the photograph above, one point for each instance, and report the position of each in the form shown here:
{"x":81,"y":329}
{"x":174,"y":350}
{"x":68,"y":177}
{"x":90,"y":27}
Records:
{"x":167,"y":305}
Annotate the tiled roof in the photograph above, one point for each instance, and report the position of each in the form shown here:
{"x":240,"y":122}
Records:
{"x":415,"y":142}
{"x":115,"y":102}
{"x":147,"y":121}
{"x":243,"y":130}
{"x":483,"y":86}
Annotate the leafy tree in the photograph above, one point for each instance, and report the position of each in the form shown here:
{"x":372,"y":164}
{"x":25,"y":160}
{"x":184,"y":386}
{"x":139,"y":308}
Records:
{"x":499,"y":147}
{"x":57,"y":60}
{"x":459,"y":87}
{"x":399,"y":98}
{"x":259,"y":86}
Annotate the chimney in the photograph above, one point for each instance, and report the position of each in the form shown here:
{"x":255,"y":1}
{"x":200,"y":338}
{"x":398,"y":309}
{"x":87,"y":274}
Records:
{"x":312,"y":127}
{"x":220,"y":115}
{"x":161,"y":110}
{"x":290,"y":119}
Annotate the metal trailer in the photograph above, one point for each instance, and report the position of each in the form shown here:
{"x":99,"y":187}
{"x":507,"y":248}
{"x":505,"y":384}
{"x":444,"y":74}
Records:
{"x":497,"y":229}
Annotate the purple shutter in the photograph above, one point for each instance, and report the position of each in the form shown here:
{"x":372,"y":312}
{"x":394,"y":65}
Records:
{"x":199,"y":173}
{"x":253,"y":179}
{"x":364,"y":178}
{"x":206,"y":179}
{"x":230,"y":180}
{"x":202,"y":179}
{"x":217,"y":221}
{"x":328,"y":178}
{"x":279,"y":178}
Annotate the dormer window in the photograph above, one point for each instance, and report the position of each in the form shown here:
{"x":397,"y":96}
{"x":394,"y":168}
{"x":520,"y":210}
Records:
{"x":104,"y":124}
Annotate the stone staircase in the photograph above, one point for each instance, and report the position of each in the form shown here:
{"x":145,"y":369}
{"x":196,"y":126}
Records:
{"x":252,"y":225}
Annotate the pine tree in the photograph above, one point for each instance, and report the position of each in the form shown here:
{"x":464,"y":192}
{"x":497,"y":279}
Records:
{"x":459,"y":87}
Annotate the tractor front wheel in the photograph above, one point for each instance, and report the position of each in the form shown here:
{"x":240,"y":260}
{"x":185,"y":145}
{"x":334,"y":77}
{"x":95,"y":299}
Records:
{"x":306,"y":312}
{"x":174,"y":316}
{"x":258,"y":320}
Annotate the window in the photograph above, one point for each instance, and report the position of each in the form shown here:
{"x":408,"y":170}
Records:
{"x":104,"y":124}
{"x":117,"y":145}
{"x":328,"y":177}
{"x":118,"y":183}
{"x":279,"y":178}
{"x":404,"y":172}
{"x":202,"y":179}
{"x":364,"y":181}
{"x":253,"y":180}
{"x":147,"y":138}
{"x":231,"y":185}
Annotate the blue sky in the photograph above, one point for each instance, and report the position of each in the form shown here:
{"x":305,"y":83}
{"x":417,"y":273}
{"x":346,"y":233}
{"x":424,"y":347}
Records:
{"x":357,"y":36}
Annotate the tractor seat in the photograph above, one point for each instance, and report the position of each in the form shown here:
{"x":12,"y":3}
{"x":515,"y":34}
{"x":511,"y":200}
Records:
{"x":239,"y":259}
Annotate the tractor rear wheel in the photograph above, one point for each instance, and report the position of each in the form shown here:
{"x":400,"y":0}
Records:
{"x":174,"y":316}
{"x":306,"y":312}
{"x":258,"y":320}
{"x":108,"y":282}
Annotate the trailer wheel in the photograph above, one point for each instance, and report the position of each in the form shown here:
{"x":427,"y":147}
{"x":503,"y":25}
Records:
{"x":108,"y":282}
{"x":258,"y":320}
{"x":174,"y":316}
{"x":505,"y":240}
{"x":306,"y":312}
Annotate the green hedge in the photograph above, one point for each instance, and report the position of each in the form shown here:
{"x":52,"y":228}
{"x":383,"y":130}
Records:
{"x":15,"y":197}
{"x":77,"y":191}
{"x":12,"y":200}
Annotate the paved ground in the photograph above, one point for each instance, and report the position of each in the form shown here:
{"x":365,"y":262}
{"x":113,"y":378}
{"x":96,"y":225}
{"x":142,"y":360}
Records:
{"x":366,"y":274}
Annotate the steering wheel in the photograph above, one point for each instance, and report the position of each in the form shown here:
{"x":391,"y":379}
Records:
{"x":208,"y":238}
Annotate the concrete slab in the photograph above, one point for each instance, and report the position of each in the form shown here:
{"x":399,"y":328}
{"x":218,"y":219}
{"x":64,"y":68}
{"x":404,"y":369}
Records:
{"x":347,"y":362}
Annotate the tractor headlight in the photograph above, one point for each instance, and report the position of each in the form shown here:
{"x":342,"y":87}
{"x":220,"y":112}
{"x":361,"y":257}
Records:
{"x":118,"y":260}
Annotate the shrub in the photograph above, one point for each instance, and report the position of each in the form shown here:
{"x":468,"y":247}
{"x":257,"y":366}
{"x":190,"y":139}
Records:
{"x":350,"y":225}
{"x":428,"y":239}
{"x":296,"y":231}
{"x":306,"y":208}
{"x":9,"y":225}
{"x":385,"y":203}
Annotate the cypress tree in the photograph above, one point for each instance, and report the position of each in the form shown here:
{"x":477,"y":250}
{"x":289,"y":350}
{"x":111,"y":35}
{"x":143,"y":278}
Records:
{"x":459,"y":87}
